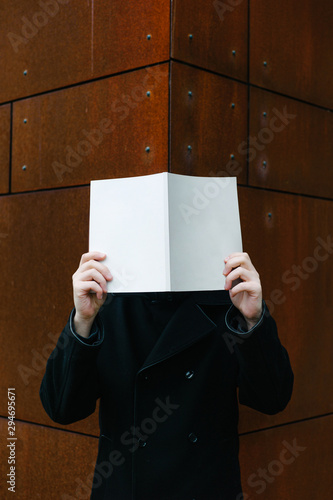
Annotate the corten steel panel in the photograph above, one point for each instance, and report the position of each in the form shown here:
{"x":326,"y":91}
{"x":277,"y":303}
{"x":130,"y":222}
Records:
{"x":289,"y":239}
{"x":130,"y":34}
{"x":54,"y":43}
{"x":291,"y":145}
{"x":212,"y":120}
{"x":49,"y":463}
{"x":46,"y":234}
{"x":4,"y":147}
{"x":291,"y":48}
{"x":92,"y":131}
{"x":212,"y":35}
{"x":44,"y":48}
{"x":289,"y":462}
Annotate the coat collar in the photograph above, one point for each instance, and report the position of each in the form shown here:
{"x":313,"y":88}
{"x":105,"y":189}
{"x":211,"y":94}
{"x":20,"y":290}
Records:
{"x":189,"y":324}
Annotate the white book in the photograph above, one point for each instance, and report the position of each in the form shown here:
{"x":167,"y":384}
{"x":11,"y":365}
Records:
{"x":165,"y":232}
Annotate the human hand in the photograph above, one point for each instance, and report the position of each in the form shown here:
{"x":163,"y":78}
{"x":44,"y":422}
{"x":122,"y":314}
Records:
{"x":89,"y":290}
{"x":243,"y":283}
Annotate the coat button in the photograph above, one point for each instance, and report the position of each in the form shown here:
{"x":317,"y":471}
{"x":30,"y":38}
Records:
{"x":189,"y":374}
{"x":192,"y":437}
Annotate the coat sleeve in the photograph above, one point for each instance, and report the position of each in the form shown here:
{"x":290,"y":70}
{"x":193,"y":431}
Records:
{"x":69,"y":388}
{"x":265,"y":375}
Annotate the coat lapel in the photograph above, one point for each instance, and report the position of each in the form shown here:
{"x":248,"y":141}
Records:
{"x":189,"y":324}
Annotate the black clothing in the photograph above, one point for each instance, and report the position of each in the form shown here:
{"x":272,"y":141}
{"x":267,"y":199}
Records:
{"x":167,"y":374}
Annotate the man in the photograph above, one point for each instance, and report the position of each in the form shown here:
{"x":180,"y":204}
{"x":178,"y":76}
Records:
{"x":166,"y":367}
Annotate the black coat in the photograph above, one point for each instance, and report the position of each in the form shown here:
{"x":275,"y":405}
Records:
{"x":168,"y":409}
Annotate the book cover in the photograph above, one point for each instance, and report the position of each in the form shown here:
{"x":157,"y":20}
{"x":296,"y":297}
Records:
{"x":165,"y":232}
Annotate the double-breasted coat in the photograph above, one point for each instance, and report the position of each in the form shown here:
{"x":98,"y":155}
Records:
{"x":167,"y":383}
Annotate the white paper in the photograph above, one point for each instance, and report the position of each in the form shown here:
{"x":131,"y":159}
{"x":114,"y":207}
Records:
{"x":165,"y":232}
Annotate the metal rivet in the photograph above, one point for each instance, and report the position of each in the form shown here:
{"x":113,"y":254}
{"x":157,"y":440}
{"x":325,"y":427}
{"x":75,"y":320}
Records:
{"x":269,"y":215}
{"x":25,"y":120}
{"x":147,"y":149}
{"x":190,"y":36}
{"x":264,"y":113}
{"x":264,"y":163}
{"x":190,"y":93}
{"x":189,"y":148}
{"x":265,"y":63}
{"x":189,"y":374}
{"x":193,"y":438}
{"x":233,"y":52}
{"x":24,"y":167}
{"x":25,"y":72}
{"x":148,"y":37}
{"x":233,"y":105}
{"x":148,"y":93}
{"x":232,"y":157}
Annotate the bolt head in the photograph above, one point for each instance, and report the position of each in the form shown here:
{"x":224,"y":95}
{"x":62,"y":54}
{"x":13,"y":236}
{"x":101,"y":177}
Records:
{"x":147,"y":149}
{"x":148,"y":37}
{"x":25,"y":72}
{"x":148,"y":93}
{"x":190,"y":36}
{"x":233,"y":105}
{"x":24,"y":167}
{"x":233,"y":52}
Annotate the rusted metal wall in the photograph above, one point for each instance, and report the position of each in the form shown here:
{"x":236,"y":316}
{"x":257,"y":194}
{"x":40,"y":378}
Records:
{"x":91,"y":90}
{"x":260,"y":107}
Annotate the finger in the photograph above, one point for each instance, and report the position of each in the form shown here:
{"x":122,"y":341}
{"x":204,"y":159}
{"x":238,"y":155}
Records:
{"x":92,"y":256}
{"x":238,"y":273}
{"x":93,"y":275}
{"x":93,"y":264}
{"x":251,"y":287}
{"x":234,"y":254}
{"x":90,"y":287}
{"x":241,"y":259}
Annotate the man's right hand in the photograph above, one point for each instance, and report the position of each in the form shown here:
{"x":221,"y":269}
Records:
{"x":89,"y":290}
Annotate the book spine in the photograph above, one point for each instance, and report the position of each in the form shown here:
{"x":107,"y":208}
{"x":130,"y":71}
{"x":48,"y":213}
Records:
{"x":167,"y":234}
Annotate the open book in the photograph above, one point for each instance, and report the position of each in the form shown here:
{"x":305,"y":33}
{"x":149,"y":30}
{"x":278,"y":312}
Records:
{"x":165,"y":232}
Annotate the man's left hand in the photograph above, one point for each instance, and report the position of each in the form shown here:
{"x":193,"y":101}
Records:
{"x":243,"y":283}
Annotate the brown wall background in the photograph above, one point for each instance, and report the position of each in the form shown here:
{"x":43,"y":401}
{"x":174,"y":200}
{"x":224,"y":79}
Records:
{"x":86,"y":87}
